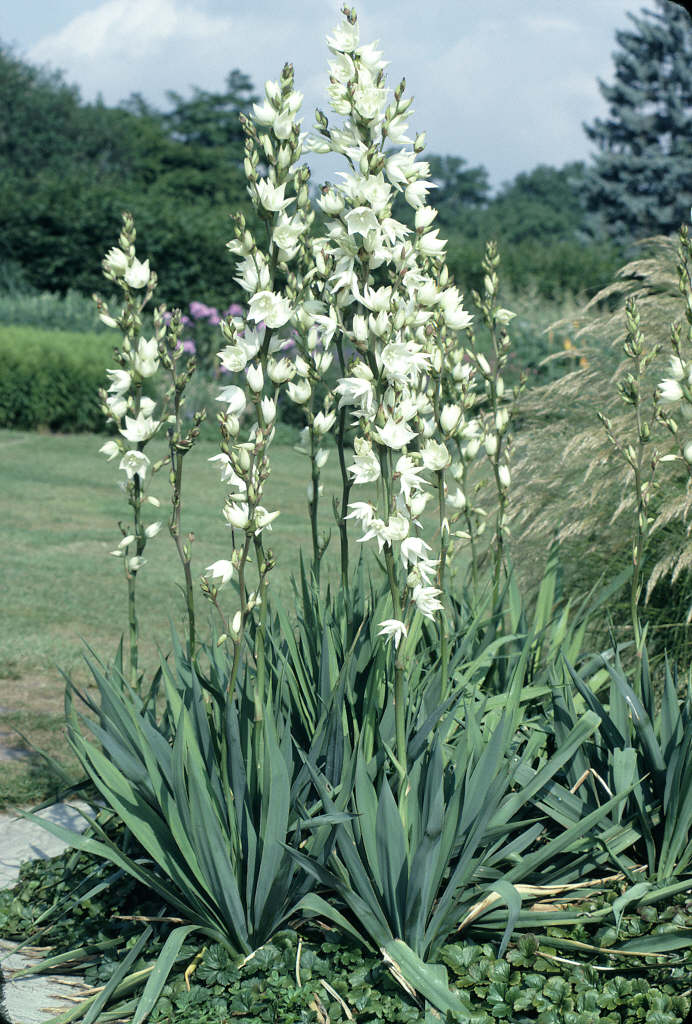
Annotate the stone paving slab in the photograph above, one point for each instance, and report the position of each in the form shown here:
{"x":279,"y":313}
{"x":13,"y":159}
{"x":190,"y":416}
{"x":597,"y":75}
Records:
{"x":37,"y":998}
{"x":22,"y":839}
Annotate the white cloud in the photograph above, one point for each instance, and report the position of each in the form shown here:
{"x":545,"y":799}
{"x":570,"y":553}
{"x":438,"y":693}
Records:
{"x":122,"y":46}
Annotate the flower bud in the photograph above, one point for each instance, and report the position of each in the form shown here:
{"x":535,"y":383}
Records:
{"x":232,"y":424}
{"x":425,"y":215}
{"x":331,"y":202}
{"x":323,"y":423}
{"x":299,"y":391}
{"x":501,"y":420}
{"x":490,"y":444}
{"x":418,"y":502}
{"x":503,"y":476}
{"x":280,"y":371}
{"x":450,"y":418}
{"x":472,"y":447}
{"x":236,"y":515}
{"x":268,"y":410}
{"x":110,"y":449}
{"x":360,"y":328}
{"x":255,"y":378}
{"x":242,"y":457}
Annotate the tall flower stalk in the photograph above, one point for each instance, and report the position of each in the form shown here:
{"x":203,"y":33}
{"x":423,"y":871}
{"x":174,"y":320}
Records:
{"x":141,"y":359}
{"x":390,"y":296}
{"x":131,"y":412}
{"x":635,"y":454}
{"x":169,"y":330}
{"x":255,"y":343}
{"x":497,"y":420}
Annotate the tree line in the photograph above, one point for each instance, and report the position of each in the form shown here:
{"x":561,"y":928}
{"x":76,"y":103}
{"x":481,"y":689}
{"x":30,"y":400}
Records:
{"x":68,"y":169}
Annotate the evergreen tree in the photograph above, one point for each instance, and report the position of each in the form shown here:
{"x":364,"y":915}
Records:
{"x":641,"y":180}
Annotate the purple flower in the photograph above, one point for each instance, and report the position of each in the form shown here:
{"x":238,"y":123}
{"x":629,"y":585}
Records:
{"x":234,"y":310}
{"x":214,"y":318}
{"x":199,"y":310}
{"x":189,"y":346}
{"x":185,"y":319}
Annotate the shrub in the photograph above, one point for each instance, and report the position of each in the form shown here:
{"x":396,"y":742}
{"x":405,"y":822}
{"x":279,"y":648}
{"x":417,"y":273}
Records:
{"x":20,"y":305}
{"x":50,"y":379}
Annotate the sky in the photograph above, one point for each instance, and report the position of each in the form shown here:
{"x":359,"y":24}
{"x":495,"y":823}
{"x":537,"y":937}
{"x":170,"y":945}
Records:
{"x":504,"y":83}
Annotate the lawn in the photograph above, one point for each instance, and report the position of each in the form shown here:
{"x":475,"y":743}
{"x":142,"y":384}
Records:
{"x":60,"y":504}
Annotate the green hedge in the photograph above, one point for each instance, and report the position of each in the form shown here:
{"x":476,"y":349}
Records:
{"x":50,"y":379}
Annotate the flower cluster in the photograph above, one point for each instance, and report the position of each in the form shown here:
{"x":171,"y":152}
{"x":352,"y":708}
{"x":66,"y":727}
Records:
{"x":132,"y":413}
{"x":136,"y":418}
{"x":391,"y":299}
{"x":255,"y":341}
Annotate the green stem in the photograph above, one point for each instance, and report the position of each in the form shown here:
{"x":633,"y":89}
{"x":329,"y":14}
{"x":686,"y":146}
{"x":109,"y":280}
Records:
{"x":399,"y":678}
{"x":346,"y":482}
{"x":132,"y":616}
{"x":242,"y":591}
{"x":499,"y":542}
{"x":260,"y":680}
{"x":312,"y":506}
{"x":442,"y":617}
{"x":174,"y":526}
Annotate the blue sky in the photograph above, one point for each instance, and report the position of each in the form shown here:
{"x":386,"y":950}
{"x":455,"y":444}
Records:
{"x":506,"y":83}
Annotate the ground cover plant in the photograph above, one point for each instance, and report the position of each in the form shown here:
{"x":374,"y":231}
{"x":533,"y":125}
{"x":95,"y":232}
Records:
{"x":309,"y":976}
{"x":412,"y":763}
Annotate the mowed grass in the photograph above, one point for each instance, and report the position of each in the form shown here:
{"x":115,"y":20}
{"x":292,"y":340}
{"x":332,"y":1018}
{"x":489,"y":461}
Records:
{"x":59,"y":506}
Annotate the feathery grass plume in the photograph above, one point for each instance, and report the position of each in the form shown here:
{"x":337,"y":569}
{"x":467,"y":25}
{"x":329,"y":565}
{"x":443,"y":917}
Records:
{"x":570,"y":487}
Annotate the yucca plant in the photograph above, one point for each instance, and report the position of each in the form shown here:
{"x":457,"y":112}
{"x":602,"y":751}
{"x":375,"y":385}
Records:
{"x":206,"y":792}
{"x":413,"y":862}
{"x":211,"y":806}
{"x":643,"y":747}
